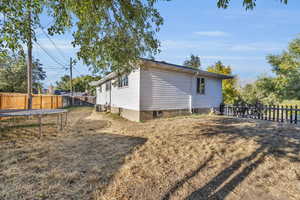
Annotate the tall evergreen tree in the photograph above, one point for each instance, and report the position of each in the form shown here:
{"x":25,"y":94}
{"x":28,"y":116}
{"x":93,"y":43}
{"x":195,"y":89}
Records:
{"x":248,"y":4}
{"x":193,"y":62}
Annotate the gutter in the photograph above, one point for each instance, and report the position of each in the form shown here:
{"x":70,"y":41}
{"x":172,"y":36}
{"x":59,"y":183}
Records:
{"x":169,"y":66}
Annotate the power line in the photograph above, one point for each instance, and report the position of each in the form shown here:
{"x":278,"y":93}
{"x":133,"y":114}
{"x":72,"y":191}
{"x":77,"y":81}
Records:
{"x":51,"y":66}
{"x":53,"y":43}
{"x":50,"y":56}
{"x":76,"y":69}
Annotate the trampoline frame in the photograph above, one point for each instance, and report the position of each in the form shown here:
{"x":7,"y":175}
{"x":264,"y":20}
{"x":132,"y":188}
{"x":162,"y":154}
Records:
{"x":40,"y":113}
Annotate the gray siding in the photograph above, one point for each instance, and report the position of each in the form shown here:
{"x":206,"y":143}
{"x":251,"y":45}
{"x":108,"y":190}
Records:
{"x":170,"y":90}
{"x":164,"y":90}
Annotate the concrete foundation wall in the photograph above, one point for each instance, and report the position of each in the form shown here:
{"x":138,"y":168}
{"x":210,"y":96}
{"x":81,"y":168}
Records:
{"x":115,"y":110}
{"x":132,"y":115}
{"x":137,"y":116}
{"x":148,"y":115}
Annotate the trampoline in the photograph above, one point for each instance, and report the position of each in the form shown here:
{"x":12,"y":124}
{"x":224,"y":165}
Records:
{"x":39,"y":113}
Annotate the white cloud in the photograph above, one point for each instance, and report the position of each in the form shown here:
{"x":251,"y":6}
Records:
{"x":191,"y":44}
{"x":256,"y":47}
{"x":212,"y":33}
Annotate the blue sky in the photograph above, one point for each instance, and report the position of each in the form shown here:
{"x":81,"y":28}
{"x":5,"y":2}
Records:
{"x":238,"y":38}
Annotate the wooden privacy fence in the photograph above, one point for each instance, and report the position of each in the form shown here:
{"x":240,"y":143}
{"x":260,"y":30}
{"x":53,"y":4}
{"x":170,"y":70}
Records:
{"x":284,"y":114}
{"x":19,"y":101}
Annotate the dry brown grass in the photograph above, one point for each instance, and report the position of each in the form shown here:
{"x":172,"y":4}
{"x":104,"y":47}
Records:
{"x":61,"y":165}
{"x":194,"y":157}
{"x":209,"y":157}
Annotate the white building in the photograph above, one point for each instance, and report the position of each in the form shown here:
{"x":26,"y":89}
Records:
{"x":159,"y":89}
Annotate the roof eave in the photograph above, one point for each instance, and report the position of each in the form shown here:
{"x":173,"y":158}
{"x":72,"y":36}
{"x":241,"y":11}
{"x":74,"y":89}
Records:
{"x":174,"y":67}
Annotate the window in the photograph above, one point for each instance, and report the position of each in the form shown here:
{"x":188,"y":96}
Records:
{"x":123,"y":81}
{"x":100,"y":88}
{"x":201,"y":85}
{"x":119,"y":82}
{"x":107,"y":86}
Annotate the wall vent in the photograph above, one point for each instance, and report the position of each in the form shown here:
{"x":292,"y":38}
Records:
{"x":157,"y":114}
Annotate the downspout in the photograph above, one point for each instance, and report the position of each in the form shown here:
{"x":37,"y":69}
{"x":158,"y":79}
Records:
{"x":191,"y":94}
{"x":110,"y":94}
{"x":192,"y":90}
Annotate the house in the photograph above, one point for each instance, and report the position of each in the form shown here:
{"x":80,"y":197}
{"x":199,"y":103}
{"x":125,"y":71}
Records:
{"x":159,"y":89}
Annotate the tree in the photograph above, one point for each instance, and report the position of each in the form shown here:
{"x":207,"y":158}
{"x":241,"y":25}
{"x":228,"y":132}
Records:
{"x":13,"y":73}
{"x":80,"y":84}
{"x":286,"y":66}
{"x":230,"y":92}
{"x":262,"y":91}
{"x":248,"y":4}
{"x":64,"y":83}
{"x":108,"y":33}
{"x":285,"y":85}
{"x":193,"y":62}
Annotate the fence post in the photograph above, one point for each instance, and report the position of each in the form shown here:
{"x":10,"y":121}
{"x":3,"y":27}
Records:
{"x":41,"y":102}
{"x":269,"y":110}
{"x":286,"y":114}
{"x":296,"y":112}
{"x":291,"y":115}
{"x":282,"y":113}
{"x":265,"y":113}
{"x":222,"y":108}
{"x":273,"y":109}
{"x":25,"y":102}
{"x":277,"y":116}
{"x":1,"y":101}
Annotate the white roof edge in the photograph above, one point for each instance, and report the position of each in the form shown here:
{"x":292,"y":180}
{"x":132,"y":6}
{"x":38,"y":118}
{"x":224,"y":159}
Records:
{"x":104,"y":79}
{"x":168,"y":66}
{"x":189,"y":70}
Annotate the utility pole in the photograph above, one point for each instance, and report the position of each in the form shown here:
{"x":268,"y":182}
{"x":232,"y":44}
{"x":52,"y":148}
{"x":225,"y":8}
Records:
{"x":71,"y":82}
{"x":29,"y":63}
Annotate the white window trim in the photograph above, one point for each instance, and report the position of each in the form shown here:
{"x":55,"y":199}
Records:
{"x":120,"y":78}
{"x":200,"y":78}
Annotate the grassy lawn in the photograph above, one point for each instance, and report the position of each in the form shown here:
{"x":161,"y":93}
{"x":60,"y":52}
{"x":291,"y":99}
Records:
{"x":100,"y":156}
{"x":291,"y":102}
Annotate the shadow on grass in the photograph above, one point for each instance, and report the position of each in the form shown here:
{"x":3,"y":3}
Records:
{"x":7,"y":128}
{"x":179,"y":183}
{"x":280,"y":143}
{"x":69,"y":168}
{"x":211,"y":189}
